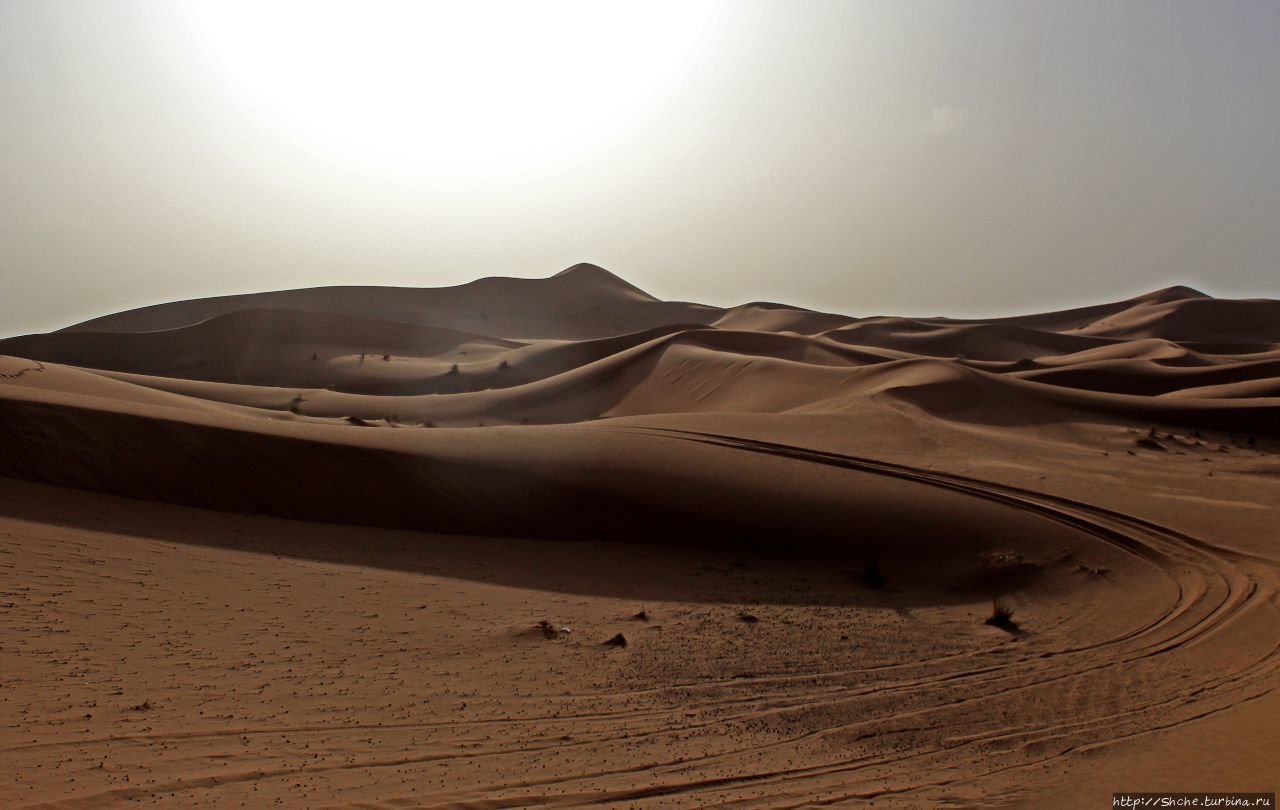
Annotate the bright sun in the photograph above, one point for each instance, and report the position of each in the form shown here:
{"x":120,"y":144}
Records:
{"x":459,"y":89}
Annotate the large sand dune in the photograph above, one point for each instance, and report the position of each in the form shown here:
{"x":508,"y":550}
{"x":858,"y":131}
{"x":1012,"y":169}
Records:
{"x":294,"y":547}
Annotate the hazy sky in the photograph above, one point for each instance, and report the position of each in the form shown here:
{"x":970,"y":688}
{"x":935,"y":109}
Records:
{"x":960,"y":158}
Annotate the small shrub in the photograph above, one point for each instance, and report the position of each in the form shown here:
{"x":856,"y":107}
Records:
{"x":1002,"y":616}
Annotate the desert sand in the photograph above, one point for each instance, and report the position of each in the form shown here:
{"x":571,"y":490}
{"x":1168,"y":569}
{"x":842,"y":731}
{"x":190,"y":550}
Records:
{"x":365,"y":547}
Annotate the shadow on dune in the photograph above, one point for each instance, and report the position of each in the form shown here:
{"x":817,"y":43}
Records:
{"x":646,"y":574}
{"x":650,"y":497}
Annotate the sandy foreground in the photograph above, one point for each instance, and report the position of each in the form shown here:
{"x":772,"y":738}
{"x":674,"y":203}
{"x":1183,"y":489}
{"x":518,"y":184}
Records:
{"x":242,"y":565}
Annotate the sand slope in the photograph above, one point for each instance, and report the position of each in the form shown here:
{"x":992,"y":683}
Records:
{"x":294,"y":548}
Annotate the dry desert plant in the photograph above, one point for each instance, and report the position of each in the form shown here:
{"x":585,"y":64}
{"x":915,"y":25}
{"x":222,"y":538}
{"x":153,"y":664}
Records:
{"x":1002,"y":615}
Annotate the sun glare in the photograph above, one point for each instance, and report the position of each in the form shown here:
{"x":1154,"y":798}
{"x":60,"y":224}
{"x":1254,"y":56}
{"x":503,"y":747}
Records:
{"x":460,"y":89}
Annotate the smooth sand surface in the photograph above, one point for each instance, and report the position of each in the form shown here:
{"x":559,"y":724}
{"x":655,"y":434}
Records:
{"x":363,"y":547}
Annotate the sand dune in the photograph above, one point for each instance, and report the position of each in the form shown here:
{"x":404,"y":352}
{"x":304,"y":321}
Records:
{"x":1081,"y":318}
{"x":362,"y":547}
{"x":766,"y":317}
{"x":1232,"y":326}
{"x":580,"y":302}
{"x":268,"y":347}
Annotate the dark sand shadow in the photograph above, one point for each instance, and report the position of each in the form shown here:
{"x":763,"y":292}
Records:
{"x":640,"y":572}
